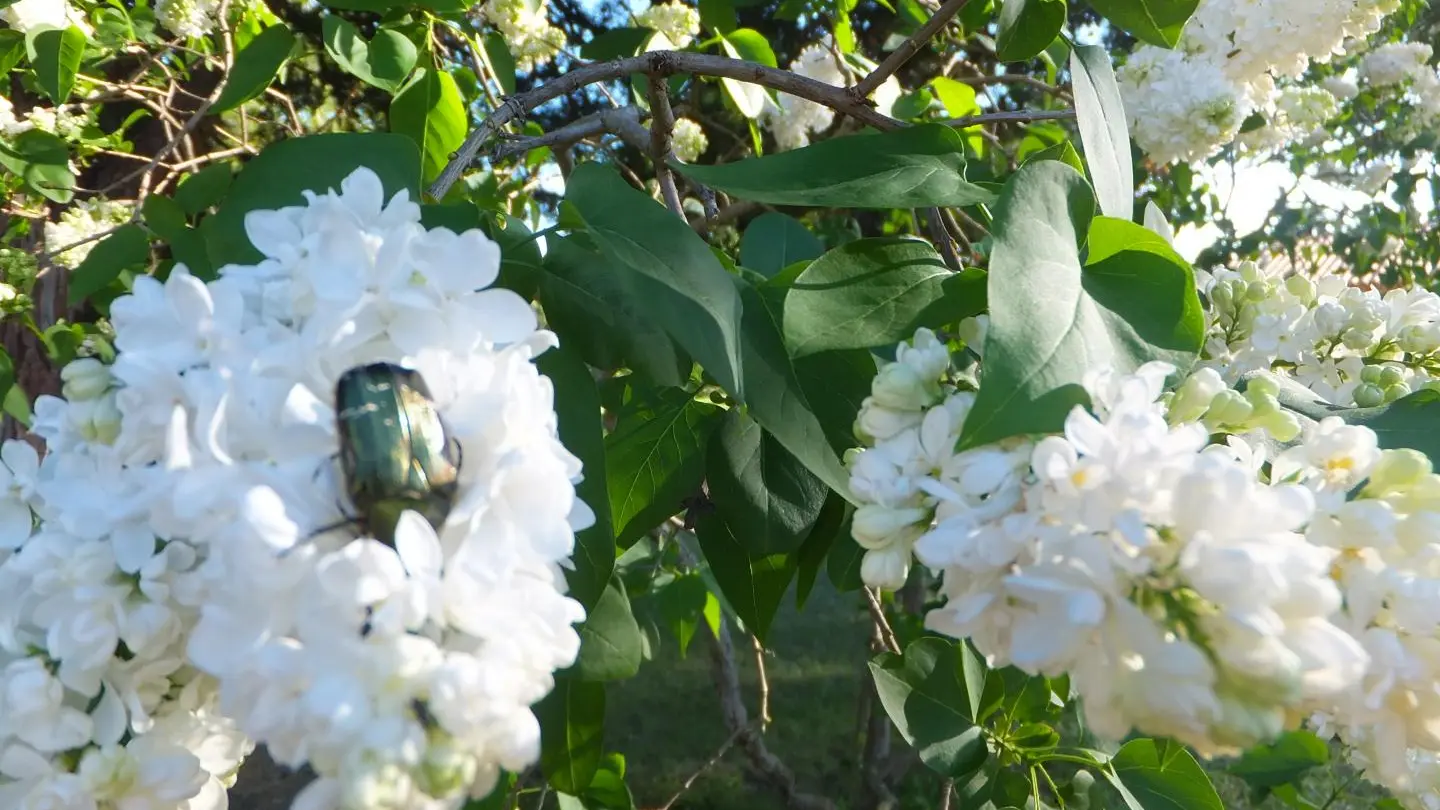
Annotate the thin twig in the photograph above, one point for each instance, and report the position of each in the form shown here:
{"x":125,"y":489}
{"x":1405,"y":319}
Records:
{"x":712,"y":762}
{"x":624,"y":122}
{"x":764,"y":683}
{"x":908,"y":48}
{"x":662,"y":127}
{"x":877,"y":613}
{"x":947,"y":789}
{"x":935,"y":225}
{"x":1011,"y":116}
{"x":660,"y":63}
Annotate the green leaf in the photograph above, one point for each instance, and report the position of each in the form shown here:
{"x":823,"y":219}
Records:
{"x":866,"y":293}
{"x":279,"y":175}
{"x":1104,"y":130}
{"x":615,"y":43}
{"x":431,"y":113}
{"x":665,"y":265}
{"x":13,"y":402}
{"x":1052,"y":321}
{"x":12,"y":49}
{"x":914,"y":167}
{"x":932,"y":694}
{"x":1158,"y":773}
{"x":962,"y":295}
{"x":1408,"y":422}
{"x":572,"y":732}
{"x":204,"y":188}
{"x":1027,"y":27}
{"x":164,"y":216}
{"x":502,"y":60}
{"x":773,"y":242}
{"x":835,"y":383}
{"x":42,"y":161}
{"x":255,"y":67}
{"x":577,"y":407}
{"x":383,"y":63}
{"x":610,"y":641}
{"x":753,"y":584}
{"x":1158,"y":22}
{"x":775,"y":396}
{"x":1285,"y":760}
{"x":766,"y":495}
{"x":55,"y":57}
{"x":588,"y":306}
{"x":653,"y":462}
{"x":833,"y":523}
{"x":122,"y":250}
{"x":1063,"y":152}
{"x":752,"y":46}
{"x":749,"y":98}
{"x":681,"y":603}
{"x":958,"y":97}
{"x":843,"y":565}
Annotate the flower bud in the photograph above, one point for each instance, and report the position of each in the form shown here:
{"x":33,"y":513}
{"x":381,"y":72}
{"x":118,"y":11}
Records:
{"x":85,"y":378}
{"x":1390,"y":375}
{"x":1370,"y":374}
{"x":1263,"y":384}
{"x":1397,"y":470}
{"x":1397,"y":391}
{"x":1331,"y":318}
{"x":1282,"y":425}
{"x":876,"y":423}
{"x":901,"y":387}
{"x":876,"y":526}
{"x":927,"y":356}
{"x":886,"y":569}
{"x":1229,"y":408}
{"x":97,"y":420}
{"x":1194,"y":396}
{"x":1419,"y":339}
{"x":1358,"y":339}
{"x":1369,"y":395}
{"x":1302,"y":288}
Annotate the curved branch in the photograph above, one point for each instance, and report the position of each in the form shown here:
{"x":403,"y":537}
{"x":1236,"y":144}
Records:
{"x":909,"y":48}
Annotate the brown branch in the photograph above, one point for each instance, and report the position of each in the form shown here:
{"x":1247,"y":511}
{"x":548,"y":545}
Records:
{"x":935,"y":225}
{"x":658,"y":63}
{"x":662,"y":127}
{"x":882,"y":625}
{"x":908,"y":48}
{"x":622,"y":121}
{"x":764,"y":683}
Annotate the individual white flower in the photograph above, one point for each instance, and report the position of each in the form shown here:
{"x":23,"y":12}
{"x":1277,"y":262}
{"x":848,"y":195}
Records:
{"x":690,"y":141}
{"x":19,"y":468}
{"x":25,"y":15}
{"x":679,"y":22}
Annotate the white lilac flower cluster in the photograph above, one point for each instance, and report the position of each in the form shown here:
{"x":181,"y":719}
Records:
{"x":1187,"y":103}
{"x":55,"y":120}
{"x":678,"y":22}
{"x":794,"y":120}
{"x":525,"y":24}
{"x":188,"y":18}
{"x":85,"y":219}
{"x":1202,"y":588}
{"x":1407,"y":65}
{"x":689,"y":141}
{"x":26,"y":15}
{"x":1348,"y":344}
{"x":186,"y":590}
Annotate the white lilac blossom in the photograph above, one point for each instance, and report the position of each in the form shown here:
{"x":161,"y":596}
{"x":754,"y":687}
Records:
{"x":25,"y":15}
{"x":689,"y":141}
{"x":532,"y":39}
{"x":1185,"y":104}
{"x":1349,"y":345}
{"x":188,"y":18}
{"x":1395,"y":63}
{"x":85,"y":219}
{"x":678,"y":22}
{"x":793,"y":120}
{"x":179,"y":598}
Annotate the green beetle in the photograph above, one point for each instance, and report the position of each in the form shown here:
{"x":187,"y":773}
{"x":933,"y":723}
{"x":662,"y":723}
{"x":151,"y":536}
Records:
{"x":396,"y":452}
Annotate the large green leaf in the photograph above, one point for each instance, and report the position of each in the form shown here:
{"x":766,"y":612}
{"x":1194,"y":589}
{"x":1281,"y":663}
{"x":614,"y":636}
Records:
{"x":914,"y":167}
{"x":1285,"y":760}
{"x":932,"y":694}
{"x":55,"y":57}
{"x":773,"y":242}
{"x":588,"y":306}
{"x":835,"y":383}
{"x":611,"y":646}
{"x":654,"y":461}
{"x":42,"y":161}
{"x":126,"y":248}
{"x":279,"y":175}
{"x":863,"y":294}
{"x":766,"y":495}
{"x":664,"y":267}
{"x":430,"y":112}
{"x":775,"y":396}
{"x":199,"y":191}
{"x":255,"y":67}
{"x":572,"y":732}
{"x":1408,"y":422}
{"x":1052,"y":321}
{"x":958,"y":97}
{"x":12,"y":48}
{"x":753,"y":584}
{"x":1159,"y":774}
{"x":1027,"y":27}
{"x":383,"y":62}
{"x":833,"y":524}
{"x":1104,"y":130}
{"x":1158,"y":22}
{"x":577,"y":406}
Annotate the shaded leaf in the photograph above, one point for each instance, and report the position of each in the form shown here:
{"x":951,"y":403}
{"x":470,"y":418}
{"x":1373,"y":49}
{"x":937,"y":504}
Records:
{"x":126,"y":248}
{"x":572,"y":732}
{"x":1159,"y":773}
{"x":1157,"y":22}
{"x":932,"y":694}
{"x":773,"y":242}
{"x":1027,"y":27}
{"x":610,"y":642}
{"x":653,"y":462}
{"x":255,"y":67}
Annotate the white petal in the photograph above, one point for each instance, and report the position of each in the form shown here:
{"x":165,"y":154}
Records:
{"x":16,"y":523}
{"x":273,"y":233}
{"x":418,"y":546}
